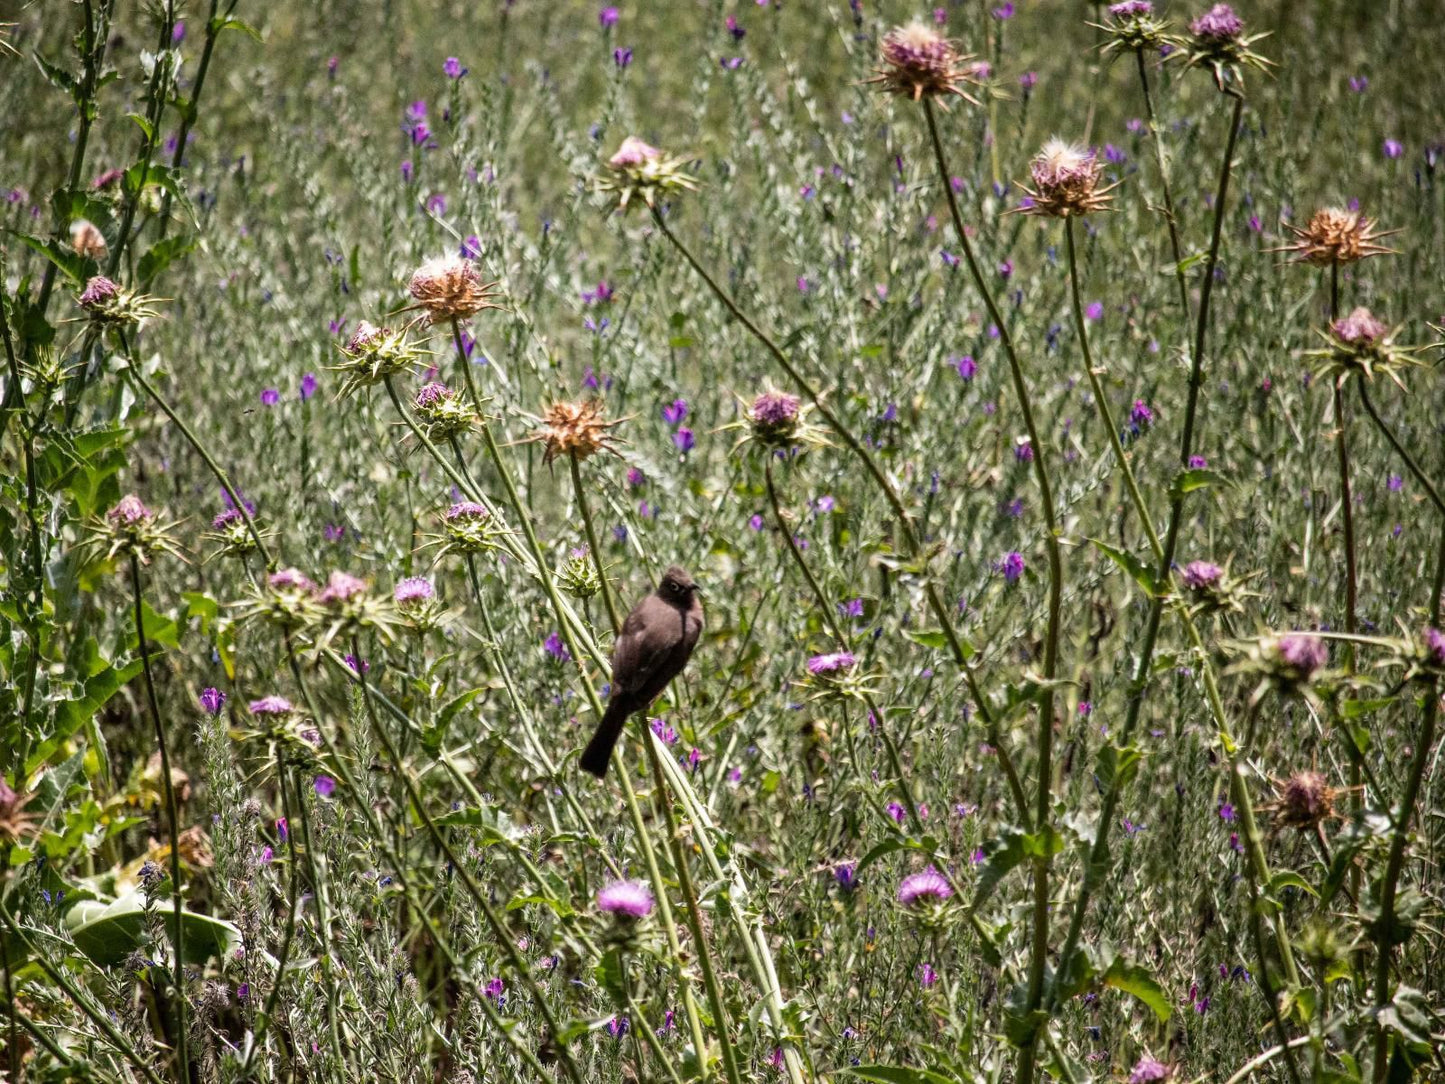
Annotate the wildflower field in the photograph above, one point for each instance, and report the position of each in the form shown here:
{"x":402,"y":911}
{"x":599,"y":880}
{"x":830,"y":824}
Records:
{"x":1043,"y":398}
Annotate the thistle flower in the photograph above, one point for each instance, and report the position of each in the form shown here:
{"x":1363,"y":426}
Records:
{"x":270,"y":705}
{"x":467,"y":527}
{"x":829,"y":664}
{"x":925,"y":887}
{"x":639,"y":169}
{"x":229,"y":528}
{"x":1304,"y":800}
{"x":450,"y":288}
{"x":576,"y":430}
{"x":918,"y":61}
{"x":1134,"y":28}
{"x":442,"y":412}
{"x":1301,"y":654}
{"x":1218,"y":42}
{"x":775,"y":420}
{"x":1066,"y":179}
{"x":1359,"y":343}
{"x":349,"y":606}
{"x":373,"y":354}
{"x":287,"y":601}
{"x":87,"y":240}
{"x":1147,"y":1070}
{"x":413,"y":591}
{"x":626,"y":900}
{"x":1335,"y":237}
{"x":341,"y":588}
{"x":130,"y":527}
{"x":579,"y":577}
{"x":1202,"y":575}
{"x":107,"y":302}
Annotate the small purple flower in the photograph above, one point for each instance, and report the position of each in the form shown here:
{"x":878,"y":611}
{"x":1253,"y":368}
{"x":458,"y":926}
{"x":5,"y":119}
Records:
{"x":846,"y":874}
{"x":852,"y":608}
{"x":1217,"y":26}
{"x":325,"y":786}
{"x":966,"y":366}
{"x":618,"y":1026}
{"x":1435,"y":646}
{"x":1085,"y":709}
{"x":755,"y":522}
{"x":1358,"y":83}
{"x":1197,"y":462}
{"x":675,"y":412}
{"x":1140,"y":416}
{"x":270,"y":397}
{"x":1114,"y":154}
{"x":1394,"y":148}
{"x":406,"y":170}
{"x":607,"y":17}
{"x":1004,"y":13}
{"x":495,"y":988}
{"x":556,"y":648}
{"x":308,"y":386}
{"x":270,"y":705}
{"x":926,"y":975}
{"x":621,"y":57}
{"x":1226,"y":811}
{"x":626,"y":899}
{"x":244,"y":990}
{"x":731,"y":23}
{"x":283,"y":830}
{"x":1130,"y":8}
{"x":897,"y":812}
{"x":178,"y":32}
{"x":1024,"y":452}
{"x":1012,"y":566}
{"x":827,"y":664}
{"x":1029,"y":80}
{"x":1095,"y":311}
{"x":351,"y":662}
{"x":212,"y":700}
{"x":826,"y":503}
{"x":684,"y":440}
{"x":1147,"y":1070}
{"x":436,"y":203}
{"x":453,"y":69}
{"x":926,"y":886}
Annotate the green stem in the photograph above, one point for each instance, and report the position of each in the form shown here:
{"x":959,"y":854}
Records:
{"x":1347,"y":503}
{"x":1038,"y":959}
{"x":1171,"y":219}
{"x":1395,"y":864}
{"x":1400,"y":449}
{"x":613,"y":614}
{"x":134,"y":369}
{"x":183,"y":1061}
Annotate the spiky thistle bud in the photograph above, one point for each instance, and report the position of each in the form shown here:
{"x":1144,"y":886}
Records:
{"x":1217,"y":41}
{"x":919,"y":62}
{"x":1134,"y":28}
{"x":575,"y":430}
{"x":467,"y":527}
{"x":1304,"y":800}
{"x":1334,"y":237}
{"x":1066,"y":182}
{"x":129,"y":527}
{"x":450,"y":288}
{"x":579,"y":577}
{"x":1360,"y":343}
{"x":442,"y":412}
{"x":107,"y":302}
{"x":638,"y":169}
{"x":373,"y":354}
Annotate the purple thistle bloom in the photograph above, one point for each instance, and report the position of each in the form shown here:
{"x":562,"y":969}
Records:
{"x":775,"y":408}
{"x":1435,"y":646}
{"x":607,"y":17}
{"x":98,"y":290}
{"x":430,"y":394}
{"x":684,"y":440}
{"x":1217,"y":26}
{"x":1303,"y":652}
{"x":308,"y":386}
{"x":453,"y":68}
{"x":827,"y":664}
{"x":924,"y":887}
{"x":1201,"y":574}
{"x":413,"y":589}
{"x":1394,"y":148}
{"x":325,"y":786}
{"x":342,"y":587}
{"x":1012,"y":566}
{"x":289,"y":579}
{"x":270,"y":705}
{"x":1130,"y":8}
{"x":626,"y":899}
{"x":212,"y":700}
{"x":1147,"y":1070}
{"x":556,"y":648}
{"x":675,"y":412}
{"x":270,"y":397}
{"x":621,"y":57}
{"x":467,"y":510}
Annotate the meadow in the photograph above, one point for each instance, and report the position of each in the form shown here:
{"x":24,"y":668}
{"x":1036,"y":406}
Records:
{"x":1044,"y":394}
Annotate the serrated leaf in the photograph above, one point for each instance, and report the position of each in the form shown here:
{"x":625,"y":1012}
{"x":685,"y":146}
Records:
{"x":1187,"y":481}
{"x":143,"y":124}
{"x":1118,"y":765}
{"x":1288,"y":878}
{"x":59,"y":77}
{"x":75,"y":267}
{"x":1003,"y":854}
{"x":161,"y":254}
{"x":1143,"y":576}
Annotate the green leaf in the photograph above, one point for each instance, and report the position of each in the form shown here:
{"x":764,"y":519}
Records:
{"x":938,"y":640}
{"x":71,"y":715}
{"x":139,"y":176}
{"x":161,"y":254}
{"x":435,"y":733}
{"x":143,"y":124}
{"x":609,"y":975}
{"x":882,"y":850}
{"x":1004,"y":854}
{"x":1355,"y":709}
{"x":75,"y":267}
{"x":898,"y":1074}
{"x":1135,"y":980}
{"x":1143,"y":576}
{"x":59,"y":77}
{"x":108,"y":932}
{"x":1288,"y":878}
{"x":230,"y":22}
{"x":1187,"y":481}
{"x":1118,"y":764}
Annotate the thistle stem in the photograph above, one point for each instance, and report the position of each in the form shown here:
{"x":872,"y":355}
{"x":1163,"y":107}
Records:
{"x":1414,"y":467}
{"x":1347,"y":504}
{"x":1395,"y":864}
{"x":1038,"y":958}
{"x":178,"y":971}
{"x":613,"y":613}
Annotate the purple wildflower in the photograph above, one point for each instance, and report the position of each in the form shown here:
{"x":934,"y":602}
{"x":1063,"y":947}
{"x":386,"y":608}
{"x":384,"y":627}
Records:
{"x":675,"y":412}
{"x":308,"y":386}
{"x":621,"y":57}
{"x":1147,"y":1070}
{"x":270,"y":397}
{"x":827,"y":664}
{"x":1303,"y":653}
{"x":1217,"y":26}
{"x":556,"y":648}
{"x":1394,"y":148}
{"x":924,"y":887}
{"x":325,"y":786}
{"x":684,"y":440}
{"x":626,"y":899}
{"x":1199,"y":575}
{"x":453,"y":69}
{"x":413,"y":589}
{"x":1012,"y":566}
{"x":607,"y":17}
{"x":212,"y":700}
{"x":270,"y":705}
{"x":966,"y":366}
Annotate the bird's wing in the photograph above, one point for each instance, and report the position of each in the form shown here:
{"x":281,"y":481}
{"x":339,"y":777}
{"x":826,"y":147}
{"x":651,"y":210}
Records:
{"x":646,"y":642}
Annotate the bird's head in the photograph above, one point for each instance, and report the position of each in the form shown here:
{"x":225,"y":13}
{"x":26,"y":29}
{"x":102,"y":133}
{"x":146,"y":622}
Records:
{"x":677,"y":587}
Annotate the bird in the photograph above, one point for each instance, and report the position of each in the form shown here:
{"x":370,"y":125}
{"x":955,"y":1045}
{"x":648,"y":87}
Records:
{"x":653,"y":646}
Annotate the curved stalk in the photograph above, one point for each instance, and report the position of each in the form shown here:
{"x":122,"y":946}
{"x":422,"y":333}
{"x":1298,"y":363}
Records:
{"x":178,"y":973}
{"x":613,"y":613}
{"x":1420,"y":475}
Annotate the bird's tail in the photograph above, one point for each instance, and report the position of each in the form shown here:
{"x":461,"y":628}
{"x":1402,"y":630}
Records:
{"x":599,"y":750}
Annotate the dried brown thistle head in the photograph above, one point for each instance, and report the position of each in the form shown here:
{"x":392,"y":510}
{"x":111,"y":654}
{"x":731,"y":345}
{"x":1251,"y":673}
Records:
{"x":575,"y":430}
{"x":1334,"y":237}
{"x":451,"y":288}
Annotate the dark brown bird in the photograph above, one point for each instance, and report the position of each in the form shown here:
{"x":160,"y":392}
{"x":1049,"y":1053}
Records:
{"x":654,"y":645}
